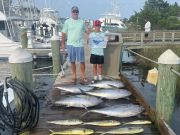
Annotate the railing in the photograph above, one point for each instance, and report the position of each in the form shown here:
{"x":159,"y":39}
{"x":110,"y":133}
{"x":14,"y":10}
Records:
{"x":154,"y":36}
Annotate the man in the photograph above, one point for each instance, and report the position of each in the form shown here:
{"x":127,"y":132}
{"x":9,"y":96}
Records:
{"x":73,"y":30}
{"x":147,"y":28}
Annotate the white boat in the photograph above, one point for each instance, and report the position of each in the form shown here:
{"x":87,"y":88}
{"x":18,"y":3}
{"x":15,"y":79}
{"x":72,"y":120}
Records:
{"x":8,"y":37}
{"x":111,"y":21}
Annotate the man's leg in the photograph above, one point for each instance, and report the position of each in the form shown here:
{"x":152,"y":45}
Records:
{"x":82,"y":66}
{"x":73,"y":69}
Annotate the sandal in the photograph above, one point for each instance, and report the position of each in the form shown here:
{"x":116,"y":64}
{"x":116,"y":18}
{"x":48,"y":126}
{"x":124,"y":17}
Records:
{"x":84,"y":80}
{"x":73,"y":80}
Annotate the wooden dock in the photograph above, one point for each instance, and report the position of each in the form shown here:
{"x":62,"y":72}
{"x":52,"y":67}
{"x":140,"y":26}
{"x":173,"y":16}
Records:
{"x":49,"y":112}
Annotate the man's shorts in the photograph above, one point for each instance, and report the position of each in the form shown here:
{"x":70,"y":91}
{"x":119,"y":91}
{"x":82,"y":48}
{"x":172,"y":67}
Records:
{"x":146,"y":34}
{"x":75,"y":53}
{"x":96,"y":59}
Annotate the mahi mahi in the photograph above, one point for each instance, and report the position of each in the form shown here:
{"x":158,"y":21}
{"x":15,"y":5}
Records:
{"x":110,"y":93}
{"x":125,"y":130}
{"x":81,"y":101}
{"x":75,"y":131}
{"x":123,"y":110}
{"x":75,"y":88}
{"x":137,"y":122}
{"x":103,"y":123}
{"x":108,"y":84}
{"x":66,"y":122}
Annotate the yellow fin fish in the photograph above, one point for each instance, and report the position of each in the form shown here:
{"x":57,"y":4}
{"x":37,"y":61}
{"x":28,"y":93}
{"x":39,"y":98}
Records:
{"x":138,"y":122}
{"x":75,"y":131}
{"x":103,"y":123}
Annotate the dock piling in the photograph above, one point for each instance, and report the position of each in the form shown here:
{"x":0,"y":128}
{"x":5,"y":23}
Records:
{"x":55,"y":47}
{"x":21,"y":69}
{"x":23,"y":37}
{"x":166,"y":86}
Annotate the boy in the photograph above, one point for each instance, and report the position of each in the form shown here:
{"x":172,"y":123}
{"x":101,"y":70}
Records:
{"x":97,"y":42}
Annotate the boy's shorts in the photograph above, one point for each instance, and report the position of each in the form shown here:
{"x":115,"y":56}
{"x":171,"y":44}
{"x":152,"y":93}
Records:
{"x":75,"y":53}
{"x":96,"y":59}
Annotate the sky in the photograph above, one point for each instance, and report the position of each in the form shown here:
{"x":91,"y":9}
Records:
{"x":93,"y":9}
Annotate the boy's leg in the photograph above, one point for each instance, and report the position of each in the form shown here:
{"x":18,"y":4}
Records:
{"x":100,"y":71}
{"x":95,"y":70}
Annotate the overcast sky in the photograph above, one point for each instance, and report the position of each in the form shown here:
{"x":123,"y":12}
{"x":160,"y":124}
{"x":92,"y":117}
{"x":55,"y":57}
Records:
{"x":92,"y":9}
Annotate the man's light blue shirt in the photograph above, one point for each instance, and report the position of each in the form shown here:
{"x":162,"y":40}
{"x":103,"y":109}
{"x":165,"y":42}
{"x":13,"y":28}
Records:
{"x":74,"y":30}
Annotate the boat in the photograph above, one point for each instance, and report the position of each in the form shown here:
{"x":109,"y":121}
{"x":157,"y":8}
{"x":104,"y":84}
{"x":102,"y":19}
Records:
{"x":11,"y":21}
{"x":111,"y":21}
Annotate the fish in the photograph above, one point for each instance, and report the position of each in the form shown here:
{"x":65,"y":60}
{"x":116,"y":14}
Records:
{"x":110,"y":93}
{"x":123,"y":110}
{"x":81,"y":101}
{"x":75,"y":131}
{"x":124,"y":130}
{"x":137,"y":122}
{"x":77,"y":89}
{"x":103,"y":123}
{"x":66,"y":122}
{"x":108,"y":84}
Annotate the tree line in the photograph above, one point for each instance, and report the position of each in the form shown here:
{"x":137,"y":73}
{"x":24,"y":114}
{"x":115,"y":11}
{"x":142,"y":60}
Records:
{"x":161,"y":14}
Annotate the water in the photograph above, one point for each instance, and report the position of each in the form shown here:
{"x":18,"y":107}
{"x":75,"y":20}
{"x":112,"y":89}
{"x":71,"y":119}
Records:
{"x":137,"y":75}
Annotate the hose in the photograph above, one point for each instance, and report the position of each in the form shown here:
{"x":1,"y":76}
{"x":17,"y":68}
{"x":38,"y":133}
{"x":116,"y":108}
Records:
{"x":26,"y":116}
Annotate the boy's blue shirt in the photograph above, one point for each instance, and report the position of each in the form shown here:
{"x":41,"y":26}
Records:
{"x":97,"y":42}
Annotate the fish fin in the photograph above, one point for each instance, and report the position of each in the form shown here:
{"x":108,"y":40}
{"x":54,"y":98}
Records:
{"x":85,"y":107}
{"x":82,"y":115}
{"x":82,"y":92}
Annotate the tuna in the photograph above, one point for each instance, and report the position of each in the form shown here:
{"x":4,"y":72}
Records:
{"x":82,"y":101}
{"x":124,"y":110}
{"x":77,"y":89}
{"x":108,"y":84}
{"x":110,"y":93}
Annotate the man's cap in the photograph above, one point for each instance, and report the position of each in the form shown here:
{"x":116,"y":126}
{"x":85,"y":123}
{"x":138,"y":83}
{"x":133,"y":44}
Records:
{"x":97,"y":23}
{"x":74,"y":8}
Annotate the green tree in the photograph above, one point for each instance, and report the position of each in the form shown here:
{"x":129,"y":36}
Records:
{"x":161,"y":14}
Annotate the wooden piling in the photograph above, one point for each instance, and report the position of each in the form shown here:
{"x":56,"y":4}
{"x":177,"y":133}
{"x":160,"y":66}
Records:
{"x":166,"y":85}
{"x":23,"y":37}
{"x":21,"y":69}
{"x":55,"y":47}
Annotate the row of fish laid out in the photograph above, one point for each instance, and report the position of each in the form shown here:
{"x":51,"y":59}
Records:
{"x":85,"y":101}
{"x":108,"y":93}
{"x":105,"y":84}
{"x":85,"y":131}
{"x":103,"y":123}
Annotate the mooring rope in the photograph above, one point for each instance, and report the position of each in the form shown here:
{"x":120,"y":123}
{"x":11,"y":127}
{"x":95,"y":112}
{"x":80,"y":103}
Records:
{"x":142,"y":56}
{"x":174,"y":71}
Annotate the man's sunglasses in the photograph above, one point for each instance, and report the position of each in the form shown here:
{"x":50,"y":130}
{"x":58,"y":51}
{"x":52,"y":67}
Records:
{"x":75,"y":11}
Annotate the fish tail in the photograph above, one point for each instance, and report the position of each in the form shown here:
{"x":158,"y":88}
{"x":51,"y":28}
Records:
{"x":51,"y":131}
{"x":87,"y":111}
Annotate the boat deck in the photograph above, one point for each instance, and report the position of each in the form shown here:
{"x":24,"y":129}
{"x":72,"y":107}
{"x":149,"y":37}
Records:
{"x":51,"y":112}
